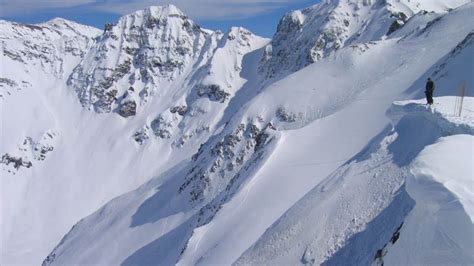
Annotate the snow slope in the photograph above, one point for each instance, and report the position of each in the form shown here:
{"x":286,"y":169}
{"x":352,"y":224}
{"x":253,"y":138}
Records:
{"x":33,"y":59}
{"x":61,"y":162}
{"x":361,"y":206}
{"x":306,"y":132}
{"x":440,"y":226}
{"x":439,"y":162}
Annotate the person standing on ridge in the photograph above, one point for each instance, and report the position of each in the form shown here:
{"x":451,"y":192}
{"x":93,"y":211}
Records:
{"x":429,"y":91}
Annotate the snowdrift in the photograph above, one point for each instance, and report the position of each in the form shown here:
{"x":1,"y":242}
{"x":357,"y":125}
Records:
{"x":428,"y":217}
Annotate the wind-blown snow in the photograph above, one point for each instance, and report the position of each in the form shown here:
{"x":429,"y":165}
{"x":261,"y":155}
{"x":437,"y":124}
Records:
{"x":439,"y":229}
{"x":449,"y":163}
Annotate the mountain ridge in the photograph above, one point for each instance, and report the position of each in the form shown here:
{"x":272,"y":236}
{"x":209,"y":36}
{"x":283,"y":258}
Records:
{"x":200,"y":154}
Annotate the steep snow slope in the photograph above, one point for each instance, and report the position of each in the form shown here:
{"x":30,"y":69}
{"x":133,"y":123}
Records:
{"x":441,"y":162}
{"x":439,"y":229}
{"x":60,"y":162}
{"x":361,"y":207}
{"x":326,"y":143}
{"x":36,"y":56}
{"x":214,"y":207}
{"x":33,"y":59}
{"x":445,"y":161}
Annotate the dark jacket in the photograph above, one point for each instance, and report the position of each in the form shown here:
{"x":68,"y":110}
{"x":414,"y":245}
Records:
{"x":430,"y":86}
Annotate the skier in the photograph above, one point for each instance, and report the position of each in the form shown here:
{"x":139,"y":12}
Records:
{"x":429,"y":91}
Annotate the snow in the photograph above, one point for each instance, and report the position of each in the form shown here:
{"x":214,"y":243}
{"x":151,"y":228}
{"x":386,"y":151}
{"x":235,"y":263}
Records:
{"x":415,"y":6}
{"x":439,"y":229}
{"x":333,"y":222}
{"x":443,"y":111}
{"x":307,"y":36}
{"x":320,"y":165}
{"x":94,"y":157}
{"x":299,"y":162}
{"x":298,"y":16}
{"x":448,"y":162}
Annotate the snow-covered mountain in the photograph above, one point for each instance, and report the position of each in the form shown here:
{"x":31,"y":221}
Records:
{"x":37,"y":53}
{"x":159,"y":142}
{"x":47,"y":133}
{"x":306,"y":36}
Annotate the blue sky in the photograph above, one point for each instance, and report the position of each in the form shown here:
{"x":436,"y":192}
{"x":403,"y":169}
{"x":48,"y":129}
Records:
{"x":260,"y":16}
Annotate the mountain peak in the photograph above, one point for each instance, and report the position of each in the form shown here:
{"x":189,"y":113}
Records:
{"x":164,"y":12}
{"x":154,"y":17}
{"x":57,"y":20}
{"x":168,"y":9}
{"x":171,"y":40}
{"x":62,"y":24}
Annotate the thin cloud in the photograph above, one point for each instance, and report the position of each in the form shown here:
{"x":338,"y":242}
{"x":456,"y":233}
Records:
{"x":197,"y":9}
{"x":15,"y":7}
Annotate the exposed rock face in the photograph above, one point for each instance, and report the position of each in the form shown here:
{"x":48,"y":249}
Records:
{"x":217,"y":167}
{"x":213,"y":80}
{"x":129,"y":54}
{"x":162,"y":127}
{"x":400,"y":19}
{"x":127,"y":108}
{"x":142,"y":135}
{"x":213,"y":92}
{"x":16,"y":162}
{"x":29,"y":151}
{"x":181,"y":110}
{"x":283,"y":115}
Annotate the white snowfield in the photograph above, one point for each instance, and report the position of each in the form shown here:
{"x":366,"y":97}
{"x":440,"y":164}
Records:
{"x":449,"y":160}
{"x":157,"y":142}
{"x":441,"y":163}
{"x":360,"y":206}
{"x":440,"y":226}
{"x":439,"y":229}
